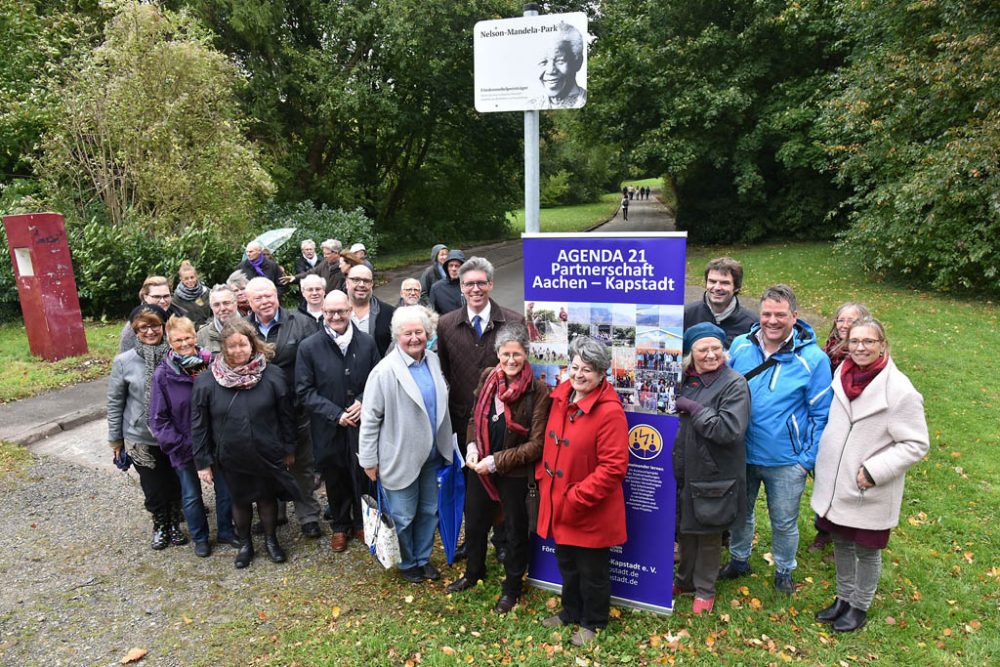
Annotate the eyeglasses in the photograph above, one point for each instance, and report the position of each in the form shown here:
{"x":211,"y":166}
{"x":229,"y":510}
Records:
{"x":845,"y":320}
{"x":342,"y":312}
{"x":863,"y":342}
{"x":411,"y":289}
{"x":149,"y":328}
{"x":477,"y":284}
{"x":159,"y":297}
{"x":361,"y":281}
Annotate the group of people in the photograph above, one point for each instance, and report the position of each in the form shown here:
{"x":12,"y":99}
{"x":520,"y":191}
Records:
{"x":263,"y":403}
{"x":761,"y":403}
{"x":632,"y":192}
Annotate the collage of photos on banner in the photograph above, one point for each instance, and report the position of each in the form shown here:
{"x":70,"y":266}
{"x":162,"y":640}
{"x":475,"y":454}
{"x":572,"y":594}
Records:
{"x":645,"y":342}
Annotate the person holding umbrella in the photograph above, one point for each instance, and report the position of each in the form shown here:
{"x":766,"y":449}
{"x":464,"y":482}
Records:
{"x":406,"y":435}
{"x":505,"y":439}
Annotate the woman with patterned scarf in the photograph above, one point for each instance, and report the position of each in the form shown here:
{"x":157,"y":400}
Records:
{"x":128,"y":416}
{"x":192,"y":295}
{"x":170,"y":422}
{"x":505,"y":436}
{"x":243,"y":426}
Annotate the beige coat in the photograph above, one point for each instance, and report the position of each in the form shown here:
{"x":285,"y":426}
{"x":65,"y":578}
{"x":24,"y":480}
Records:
{"x":883,"y":429}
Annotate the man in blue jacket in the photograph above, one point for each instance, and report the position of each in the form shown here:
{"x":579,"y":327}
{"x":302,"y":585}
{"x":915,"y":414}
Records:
{"x":789,"y":379}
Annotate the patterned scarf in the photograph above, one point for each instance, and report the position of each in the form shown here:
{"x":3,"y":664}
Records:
{"x":186,"y":293}
{"x":835,"y":349}
{"x":241,"y":377}
{"x":190,"y":364}
{"x":151,"y":356}
{"x":508,"y":391}
{"x":855,"y":378}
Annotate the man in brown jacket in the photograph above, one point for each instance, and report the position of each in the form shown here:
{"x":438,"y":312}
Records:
{"x":466,"y":339}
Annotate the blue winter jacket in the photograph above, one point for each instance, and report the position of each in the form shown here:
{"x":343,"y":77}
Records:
{"x":790,"y":401}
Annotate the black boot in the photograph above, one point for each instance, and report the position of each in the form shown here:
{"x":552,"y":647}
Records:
{"x":245,"y":553}
{"x":833,"y":612}
{"x":174,"y":532}
{"x":274,"y":550}
{"x":850,"y":620}
{"x":161,"y":538}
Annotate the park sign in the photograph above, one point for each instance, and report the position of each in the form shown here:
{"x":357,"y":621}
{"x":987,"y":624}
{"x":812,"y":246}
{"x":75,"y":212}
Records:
{"x":531,"y":63}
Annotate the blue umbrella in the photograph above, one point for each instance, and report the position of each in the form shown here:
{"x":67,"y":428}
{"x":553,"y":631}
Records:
{"x":451,"y":503}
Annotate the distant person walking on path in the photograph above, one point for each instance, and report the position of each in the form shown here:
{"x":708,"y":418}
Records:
{"x":625,"y":207}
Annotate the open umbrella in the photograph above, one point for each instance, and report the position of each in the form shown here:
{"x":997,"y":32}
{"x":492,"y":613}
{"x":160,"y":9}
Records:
{"x":275,"y":238}
{"x":451,"y":502}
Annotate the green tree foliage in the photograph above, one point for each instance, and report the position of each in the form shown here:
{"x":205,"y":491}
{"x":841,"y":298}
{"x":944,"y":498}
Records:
{"x":370,"y":104}
{"x":722,"y":96}
{"x":318,"y":223}
{"x":148,"y":130}
{"x":914,"y":127}
{"x":574,"y":171}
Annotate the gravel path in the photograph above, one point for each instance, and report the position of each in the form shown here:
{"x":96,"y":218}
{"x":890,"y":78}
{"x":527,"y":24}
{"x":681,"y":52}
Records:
{"x":81,"y":585}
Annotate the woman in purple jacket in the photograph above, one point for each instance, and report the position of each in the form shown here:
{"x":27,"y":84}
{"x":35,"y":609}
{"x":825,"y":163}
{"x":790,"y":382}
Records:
{"x":170,"y":423}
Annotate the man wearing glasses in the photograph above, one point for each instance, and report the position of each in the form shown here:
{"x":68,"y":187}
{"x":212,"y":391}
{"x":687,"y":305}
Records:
{"x":789,"y":379}
{"x":369,"y":314}
{"x":409,"y":293}
{"x":222,"y":301}
{"x":155,"y":291}
{"x":330,"y":376}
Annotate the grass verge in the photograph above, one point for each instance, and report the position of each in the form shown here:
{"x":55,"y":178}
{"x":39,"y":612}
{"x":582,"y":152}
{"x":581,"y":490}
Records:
{"x":13,"y":458}
{"x":938,"y":597}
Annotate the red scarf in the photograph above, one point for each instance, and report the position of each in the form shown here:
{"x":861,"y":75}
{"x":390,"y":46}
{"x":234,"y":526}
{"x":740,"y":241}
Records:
{"x":509,"y":391}
{"x":835,"y":349}
{"x":855,"y":378}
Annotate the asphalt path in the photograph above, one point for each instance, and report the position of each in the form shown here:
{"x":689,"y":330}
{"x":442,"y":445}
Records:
{"x":508,"y":259}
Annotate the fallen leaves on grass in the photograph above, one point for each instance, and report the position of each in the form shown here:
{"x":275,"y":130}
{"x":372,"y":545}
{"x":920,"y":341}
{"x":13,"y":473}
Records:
{"x":133,"y":655}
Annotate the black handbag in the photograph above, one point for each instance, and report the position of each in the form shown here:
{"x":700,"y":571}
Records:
{"x":714,"y":502}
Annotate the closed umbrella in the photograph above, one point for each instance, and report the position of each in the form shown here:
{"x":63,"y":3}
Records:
{"x":451,"y":502}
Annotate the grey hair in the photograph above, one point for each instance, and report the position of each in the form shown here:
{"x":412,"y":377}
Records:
{"x":333,"y":245}
{"x":261,"y":283}
{"x":569,"y":35}
{"x":255,"y":244}
{"x":237,"y":279}
{"x":780,"y":292}
{"x":312,"y":278}
{"x":406,"y":314}
{"x":862,"y":309}
{"x":477,"y":264}
{"x":307,"y":242}
{"x":513,"y":332}
{"x":220,"y":288}
{"x":592,"y":352}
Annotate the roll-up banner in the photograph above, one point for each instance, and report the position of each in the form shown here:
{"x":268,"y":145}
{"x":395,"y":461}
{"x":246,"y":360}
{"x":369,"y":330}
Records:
{"x":626,"y":290}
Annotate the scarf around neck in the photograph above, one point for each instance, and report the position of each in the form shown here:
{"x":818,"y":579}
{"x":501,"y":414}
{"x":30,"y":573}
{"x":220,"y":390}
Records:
{"x":855,"y":379}
{"x":151,"y":356}
{"x":497,"y":385}
{"x":257,"y":264}
{"x":835,"y":349}
{"x":190,"y":364}
{"x":241,"y":377}
{"x":186,"y":293}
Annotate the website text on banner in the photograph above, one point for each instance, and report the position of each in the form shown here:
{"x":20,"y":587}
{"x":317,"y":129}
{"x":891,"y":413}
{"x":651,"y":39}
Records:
{"x":626,"y":291}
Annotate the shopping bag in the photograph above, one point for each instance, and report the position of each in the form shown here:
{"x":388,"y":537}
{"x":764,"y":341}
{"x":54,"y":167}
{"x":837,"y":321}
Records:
{"x":380,"y":530}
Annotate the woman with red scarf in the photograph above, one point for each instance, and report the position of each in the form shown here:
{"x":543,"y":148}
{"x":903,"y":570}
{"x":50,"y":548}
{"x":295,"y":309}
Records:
{"x":876,"y":431}
{"x":505,"y":439}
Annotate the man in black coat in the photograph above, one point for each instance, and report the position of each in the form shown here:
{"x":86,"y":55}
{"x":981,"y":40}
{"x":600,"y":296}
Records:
{"x":369,"y":314}
{"x":719,"y":304}
{"x":330,"y":375}
{"x":285,"y":330}
{"x":257,"y":265}
{"x":446,"y":294}
{"x":308,"y":259}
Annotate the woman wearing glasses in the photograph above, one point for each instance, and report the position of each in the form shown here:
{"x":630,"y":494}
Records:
{"x":876,"y":431}
{"x":155,"y":291}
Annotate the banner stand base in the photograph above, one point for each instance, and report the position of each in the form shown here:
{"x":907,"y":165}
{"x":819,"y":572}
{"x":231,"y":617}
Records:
{"x":621,"y":602}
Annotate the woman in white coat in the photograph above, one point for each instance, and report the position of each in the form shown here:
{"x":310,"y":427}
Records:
{"x":876,"y":431}
{"x":406,"y":434}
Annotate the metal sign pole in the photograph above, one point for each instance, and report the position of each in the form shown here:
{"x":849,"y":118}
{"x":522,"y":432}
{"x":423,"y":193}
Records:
{"x":531,"y":161}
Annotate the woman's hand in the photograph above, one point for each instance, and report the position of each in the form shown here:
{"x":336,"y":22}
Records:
{"x":205,"y":475}
{"x":863,"y":482}
{"x":372,"y":473}
{"x":471,"y":455}
{"x":483,"y":467}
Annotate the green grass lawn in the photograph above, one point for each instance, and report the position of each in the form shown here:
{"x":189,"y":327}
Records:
{"x":25,"y":375}
{"x":644,"y":183}
{"x":938,"y":598}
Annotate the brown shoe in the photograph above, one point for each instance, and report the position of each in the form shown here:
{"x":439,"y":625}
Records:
{"x":359,"y":535}
{"x":338,"y":542}
{"x":582,"y":637}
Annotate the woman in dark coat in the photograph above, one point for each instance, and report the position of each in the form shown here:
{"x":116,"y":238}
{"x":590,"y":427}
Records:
{"x":709,"y":460}
{"x":170,"y":422}
{"x":582,"y":504}
{"x":192,"y":295}
{"x":505,"y":436}
{"x":243,"y":423}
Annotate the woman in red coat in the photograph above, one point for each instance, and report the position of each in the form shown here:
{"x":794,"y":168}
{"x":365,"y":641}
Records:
{"x":582,"y":506}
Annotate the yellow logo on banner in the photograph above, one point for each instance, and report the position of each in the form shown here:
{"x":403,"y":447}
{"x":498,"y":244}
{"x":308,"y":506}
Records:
{"x":645,"y":442}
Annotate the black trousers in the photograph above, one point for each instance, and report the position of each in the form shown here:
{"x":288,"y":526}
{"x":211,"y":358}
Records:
{"x":480,"y":510}
{"x":344,"y":486}
{"x":160,"y":485}
{"x":586,"y":593}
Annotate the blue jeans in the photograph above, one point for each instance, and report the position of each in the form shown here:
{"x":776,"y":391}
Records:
{"x":194,"y":508}
{"x":783,"y":487}
{"x":414,"y":510}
